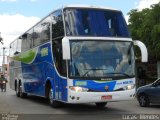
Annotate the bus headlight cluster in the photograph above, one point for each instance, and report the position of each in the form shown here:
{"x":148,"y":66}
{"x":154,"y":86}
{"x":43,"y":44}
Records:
{"x":78,"y":89}
{"x":129,"y":87}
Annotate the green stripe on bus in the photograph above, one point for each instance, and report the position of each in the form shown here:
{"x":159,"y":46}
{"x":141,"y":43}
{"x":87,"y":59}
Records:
{"x":27,"y":57}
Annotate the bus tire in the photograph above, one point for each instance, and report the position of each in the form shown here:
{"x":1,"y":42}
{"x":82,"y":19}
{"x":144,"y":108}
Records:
{"x":53,"y":103}
{"x":101,"y":104}
{"x":17,"y":89}
{"x":21,"y":93}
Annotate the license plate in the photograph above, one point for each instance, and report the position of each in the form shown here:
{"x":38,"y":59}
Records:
{"x":106,"y":97}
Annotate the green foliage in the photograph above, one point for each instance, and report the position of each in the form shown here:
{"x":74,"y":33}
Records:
{"x":145,"y":26}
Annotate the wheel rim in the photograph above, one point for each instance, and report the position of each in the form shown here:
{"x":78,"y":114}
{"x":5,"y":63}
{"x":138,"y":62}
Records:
{"x":142,"y":100}
{"x":51,"y":96}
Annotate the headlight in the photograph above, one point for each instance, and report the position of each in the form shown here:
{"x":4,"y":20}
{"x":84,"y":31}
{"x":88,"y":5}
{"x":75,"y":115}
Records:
{"x":78,"y":89}
{"x":129,"y":87}
{"x":4,"y":82}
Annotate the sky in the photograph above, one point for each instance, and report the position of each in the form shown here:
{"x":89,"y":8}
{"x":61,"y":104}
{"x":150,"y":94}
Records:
{"x":17,"y":16}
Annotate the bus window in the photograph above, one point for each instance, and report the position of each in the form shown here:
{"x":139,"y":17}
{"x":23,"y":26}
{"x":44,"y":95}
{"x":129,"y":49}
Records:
{"x":36,"y":35}
{"x":19,"y":45}
{"x":57,"y":24}
{"x":24,"y":42}
{"x":45,"y":33}
{"x":93,"y":22}
{"x":27,"y":40}
{"x":13,"y":47}
{"x":57,"y":54}
{"x":42,"y":32}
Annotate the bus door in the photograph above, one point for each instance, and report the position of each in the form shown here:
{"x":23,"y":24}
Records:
{"x":60,"y":70}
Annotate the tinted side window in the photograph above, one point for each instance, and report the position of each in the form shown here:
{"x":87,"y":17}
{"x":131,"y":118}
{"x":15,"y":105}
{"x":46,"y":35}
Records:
{"x":42,"y":32}
{"x":57,"y":24}
{"x":19,"y":45}
{"x":36,"y":35}
{"x":24,"y":42}
{"x":27,"y":40}
{"x":45,"y":33}
{"x":13,"y":47}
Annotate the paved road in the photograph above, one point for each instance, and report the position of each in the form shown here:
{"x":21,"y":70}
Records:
{"x":30,"y":106}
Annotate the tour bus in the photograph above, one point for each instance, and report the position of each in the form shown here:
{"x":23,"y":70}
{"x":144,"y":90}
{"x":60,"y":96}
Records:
{"x":76,"y":54}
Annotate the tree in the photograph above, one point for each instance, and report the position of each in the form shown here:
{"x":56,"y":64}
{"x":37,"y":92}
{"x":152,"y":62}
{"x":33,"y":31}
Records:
{"x":145,"y":26}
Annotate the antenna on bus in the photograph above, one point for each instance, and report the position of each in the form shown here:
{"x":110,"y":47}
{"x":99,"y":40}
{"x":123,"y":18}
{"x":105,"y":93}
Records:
{"x":1,"y":39}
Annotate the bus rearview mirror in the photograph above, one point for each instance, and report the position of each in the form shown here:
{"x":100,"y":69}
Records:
{"x":66,"y":48}
{"x":144,"y":52}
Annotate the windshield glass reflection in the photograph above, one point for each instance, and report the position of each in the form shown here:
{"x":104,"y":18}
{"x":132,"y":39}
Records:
{"x":95,"y":22}
{"x":101,"y":59}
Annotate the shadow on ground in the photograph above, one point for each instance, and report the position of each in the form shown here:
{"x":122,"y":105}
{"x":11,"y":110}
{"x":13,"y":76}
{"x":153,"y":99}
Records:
{"x":89,"y":108}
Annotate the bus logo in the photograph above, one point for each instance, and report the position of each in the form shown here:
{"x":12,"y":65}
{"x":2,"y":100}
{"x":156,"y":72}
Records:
{"x":106,"y":88}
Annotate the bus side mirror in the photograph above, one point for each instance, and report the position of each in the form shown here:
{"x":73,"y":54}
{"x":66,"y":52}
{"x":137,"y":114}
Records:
{"x":143,"y":49}
{"x":66,"y":49}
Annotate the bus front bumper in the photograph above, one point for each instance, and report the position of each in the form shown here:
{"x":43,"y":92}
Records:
{"x":92,"y":97}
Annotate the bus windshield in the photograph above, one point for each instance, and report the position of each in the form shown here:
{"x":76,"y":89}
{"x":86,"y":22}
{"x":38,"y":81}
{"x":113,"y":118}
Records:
{"x":101,"y":59}
{"x":95,"y":22}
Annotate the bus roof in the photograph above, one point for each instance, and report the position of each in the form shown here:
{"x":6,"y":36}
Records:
{"x":89,"y":6}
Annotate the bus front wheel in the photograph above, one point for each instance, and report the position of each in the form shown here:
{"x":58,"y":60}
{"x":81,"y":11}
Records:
{"x":101,"y":104}
{"x":53,"y":103}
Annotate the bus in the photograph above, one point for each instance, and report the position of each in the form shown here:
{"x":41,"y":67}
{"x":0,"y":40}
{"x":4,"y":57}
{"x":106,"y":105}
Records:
{"x":76,"y":54}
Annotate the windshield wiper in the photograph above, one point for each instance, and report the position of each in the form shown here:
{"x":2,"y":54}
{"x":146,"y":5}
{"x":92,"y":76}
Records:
{"x":91,"y":70}
{"x":124,"y":74}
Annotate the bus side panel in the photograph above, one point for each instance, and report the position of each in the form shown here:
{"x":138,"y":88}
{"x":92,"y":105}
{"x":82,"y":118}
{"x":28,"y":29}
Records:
{"x":34,"y":68}
{"x":49,"y":72}
{"x":34,"y":72}
{"x":11,"y":79}
{"x":43,"y":69}
{"x":33,"y":78}
{"x":14,"y":72}
{"x":64,"y":90}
